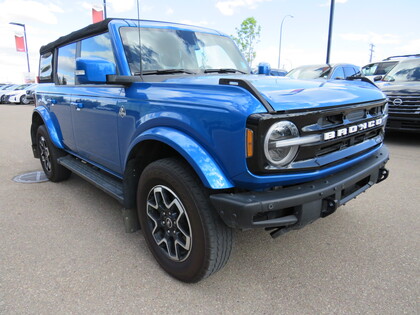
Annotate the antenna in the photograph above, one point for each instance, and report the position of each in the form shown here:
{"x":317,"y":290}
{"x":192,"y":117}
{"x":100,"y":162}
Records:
{"x":138,"y":26}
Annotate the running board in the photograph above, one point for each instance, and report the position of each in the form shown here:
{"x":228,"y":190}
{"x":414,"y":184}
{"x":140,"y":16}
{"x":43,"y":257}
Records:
{"x":96,"y":177}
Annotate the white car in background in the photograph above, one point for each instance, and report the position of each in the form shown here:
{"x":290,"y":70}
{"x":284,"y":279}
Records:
{"x":375,"y":69}
{"x":6,"y":89}
{"x":18,"y":96}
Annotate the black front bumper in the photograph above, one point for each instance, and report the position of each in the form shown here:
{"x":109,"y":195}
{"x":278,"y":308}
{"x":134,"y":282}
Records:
{"x":403,"y":122}
{"x":295,"y":206}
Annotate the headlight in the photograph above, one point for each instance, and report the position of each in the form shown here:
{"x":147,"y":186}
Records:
{"x":276,"y":153}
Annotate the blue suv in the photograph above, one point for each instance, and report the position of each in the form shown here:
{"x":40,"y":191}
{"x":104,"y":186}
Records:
{"x":167,"y":119}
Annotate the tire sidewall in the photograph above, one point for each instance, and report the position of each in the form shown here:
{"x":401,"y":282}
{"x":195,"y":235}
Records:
{"x":23,"y":100}
{"x":58,"y":172}
{"x":42,"y":132}
{"x":192,"y":267}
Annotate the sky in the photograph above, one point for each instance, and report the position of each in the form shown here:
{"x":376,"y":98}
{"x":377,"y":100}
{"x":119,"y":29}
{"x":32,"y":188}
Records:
{"x":392,"y":26}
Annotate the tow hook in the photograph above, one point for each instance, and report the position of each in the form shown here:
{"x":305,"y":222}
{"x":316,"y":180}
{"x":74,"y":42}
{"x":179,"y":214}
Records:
{"x":330,"y":205}
{"x":383,"y":174}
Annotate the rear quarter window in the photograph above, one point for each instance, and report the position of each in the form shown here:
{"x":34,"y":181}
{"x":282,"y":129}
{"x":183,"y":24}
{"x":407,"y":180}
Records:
{"x":45,"y":67}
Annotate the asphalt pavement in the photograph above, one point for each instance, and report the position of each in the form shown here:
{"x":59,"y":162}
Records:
{"x":64,"y":250}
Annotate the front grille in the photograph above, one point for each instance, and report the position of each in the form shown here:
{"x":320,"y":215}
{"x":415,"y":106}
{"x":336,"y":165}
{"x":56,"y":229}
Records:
{"x":346,"y":143}
{"x":332,"y":121}
{"x":329,"y":150}
{"x":404,"y":104}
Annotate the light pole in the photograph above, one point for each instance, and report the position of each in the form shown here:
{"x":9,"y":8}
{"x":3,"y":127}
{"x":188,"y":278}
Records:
{"x":104,"y":9}
{"x":330,"y":28}
{"x":26,"y":43}
{"x":281,"y":30}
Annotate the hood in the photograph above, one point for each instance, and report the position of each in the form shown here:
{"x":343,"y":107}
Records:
{"x":400,"y":87}
{"x":289,"y":94}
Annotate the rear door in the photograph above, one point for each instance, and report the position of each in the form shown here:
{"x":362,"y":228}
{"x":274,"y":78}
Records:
{"x":59,"y":100}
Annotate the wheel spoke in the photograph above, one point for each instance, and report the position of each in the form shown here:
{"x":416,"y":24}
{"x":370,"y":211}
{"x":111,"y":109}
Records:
{"x":45,"y":154}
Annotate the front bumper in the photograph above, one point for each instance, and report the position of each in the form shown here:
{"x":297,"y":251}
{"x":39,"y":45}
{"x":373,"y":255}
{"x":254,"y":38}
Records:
{"x":293,"y":207}
{"x":404,"y":122}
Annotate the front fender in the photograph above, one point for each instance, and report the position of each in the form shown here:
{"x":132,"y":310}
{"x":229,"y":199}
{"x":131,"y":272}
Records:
{"x":204,"y":165}
{"x":46,"y":117}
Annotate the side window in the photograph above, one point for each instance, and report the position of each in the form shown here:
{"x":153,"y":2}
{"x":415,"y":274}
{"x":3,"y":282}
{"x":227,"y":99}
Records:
{"x":369,"y":69}
{"x":384,"y":68}
{"x":97,"y":47}
{"x":338,"y":73}
{"x":66,"y":64}
{"x":45,"y":67}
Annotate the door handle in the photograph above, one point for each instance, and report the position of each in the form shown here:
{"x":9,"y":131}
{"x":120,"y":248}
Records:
{"x":78,"y":105}
{"x":52,"y":101}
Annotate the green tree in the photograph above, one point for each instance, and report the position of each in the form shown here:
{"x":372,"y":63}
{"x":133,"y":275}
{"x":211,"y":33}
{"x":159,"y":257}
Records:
{"x":247,"y":37}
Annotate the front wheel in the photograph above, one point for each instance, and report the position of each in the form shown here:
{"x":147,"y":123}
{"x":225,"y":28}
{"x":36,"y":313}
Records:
{"x":24,"y":100}
{"x":182,"y":230}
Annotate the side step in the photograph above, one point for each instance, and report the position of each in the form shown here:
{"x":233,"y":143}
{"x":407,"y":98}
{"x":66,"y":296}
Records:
{"x":106,"y":183}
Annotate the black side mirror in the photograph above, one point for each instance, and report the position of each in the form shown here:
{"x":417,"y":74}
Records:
{"x":377,"y":78}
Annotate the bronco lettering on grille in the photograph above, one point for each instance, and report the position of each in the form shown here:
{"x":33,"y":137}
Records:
{"x":352,"y":129}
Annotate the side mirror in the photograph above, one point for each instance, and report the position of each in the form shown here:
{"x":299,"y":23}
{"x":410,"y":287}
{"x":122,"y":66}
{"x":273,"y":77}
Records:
{"x":377,"y":78}
{"x":264,"y":68}
{"x":89,"y":70}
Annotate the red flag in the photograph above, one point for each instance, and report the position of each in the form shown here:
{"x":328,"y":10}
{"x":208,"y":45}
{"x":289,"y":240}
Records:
{"x":97,"y":15}
{"x":20,"y":43}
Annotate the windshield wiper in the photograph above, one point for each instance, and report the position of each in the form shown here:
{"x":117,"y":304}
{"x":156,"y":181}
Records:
{"x":223,"y":70}
{"x":164,"y":71}
{"x":359,"y":76}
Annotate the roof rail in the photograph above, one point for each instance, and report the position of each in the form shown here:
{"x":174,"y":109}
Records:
{"x":402,"y":56}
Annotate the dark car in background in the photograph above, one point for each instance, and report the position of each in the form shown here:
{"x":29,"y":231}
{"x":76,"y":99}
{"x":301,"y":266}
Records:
{"x":338,"y":71}
{"x":30,"y":93}
{"x":376,"y":70}
{"x":402,"y":86}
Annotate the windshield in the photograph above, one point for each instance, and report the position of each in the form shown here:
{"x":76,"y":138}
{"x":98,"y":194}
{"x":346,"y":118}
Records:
{"x":170,"y":49}
{"x":309,"y":73}
{"x":404,"y":71}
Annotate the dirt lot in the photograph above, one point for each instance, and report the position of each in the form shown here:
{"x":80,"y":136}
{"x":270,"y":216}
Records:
{"x":63,"y":250}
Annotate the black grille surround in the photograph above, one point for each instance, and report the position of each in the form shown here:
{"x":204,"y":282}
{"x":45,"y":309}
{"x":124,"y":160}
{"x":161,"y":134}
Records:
{"x":324,"y":153}
{"x":404,"y":112}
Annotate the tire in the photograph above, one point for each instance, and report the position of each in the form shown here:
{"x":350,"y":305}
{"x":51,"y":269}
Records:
{"x":24,"y":100}
{"x":183,"y":231}
{"x":48,"y":155}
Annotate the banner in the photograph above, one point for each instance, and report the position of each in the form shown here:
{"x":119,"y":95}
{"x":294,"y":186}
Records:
{"x":97,"y":14}
{"x":20,"y":43}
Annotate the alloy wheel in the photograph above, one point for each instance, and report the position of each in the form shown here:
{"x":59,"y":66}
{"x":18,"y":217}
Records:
{"x":169,"y":223}
{"x":44,"y":153}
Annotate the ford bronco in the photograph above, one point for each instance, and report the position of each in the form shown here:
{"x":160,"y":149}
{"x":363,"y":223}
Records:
{"x":168,"y":119}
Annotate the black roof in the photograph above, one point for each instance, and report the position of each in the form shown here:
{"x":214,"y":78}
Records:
{"x":87,"y":31}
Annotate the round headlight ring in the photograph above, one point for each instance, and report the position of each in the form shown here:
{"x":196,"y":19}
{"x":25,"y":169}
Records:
{"x":280,"y":156}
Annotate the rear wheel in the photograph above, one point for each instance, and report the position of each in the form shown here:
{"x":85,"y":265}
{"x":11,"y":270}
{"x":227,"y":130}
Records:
{"x":183,"y":231}
{"x":48,"y":155}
